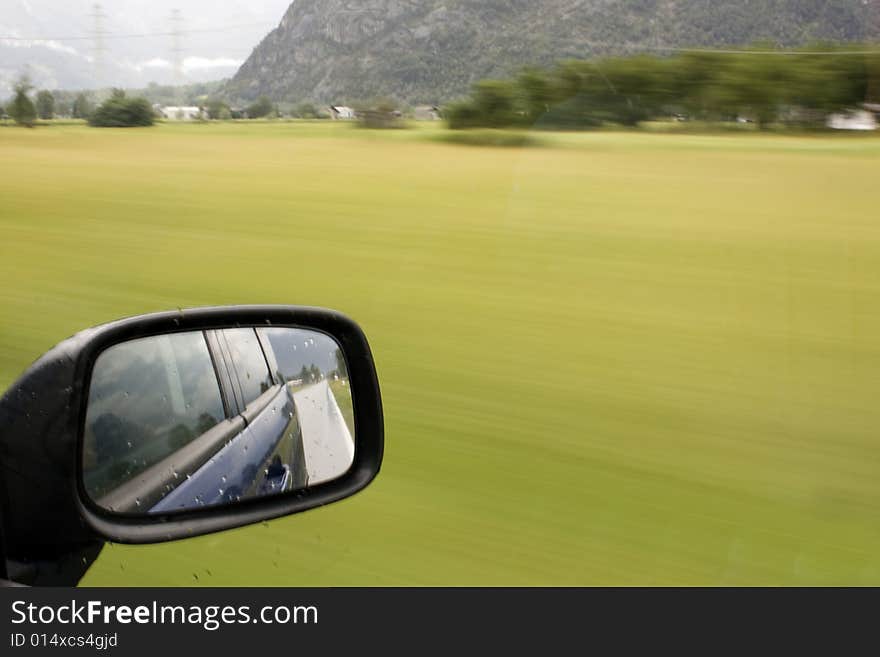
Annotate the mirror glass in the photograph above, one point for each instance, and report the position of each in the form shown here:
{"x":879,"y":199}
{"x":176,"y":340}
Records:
{"x":189,"y":420}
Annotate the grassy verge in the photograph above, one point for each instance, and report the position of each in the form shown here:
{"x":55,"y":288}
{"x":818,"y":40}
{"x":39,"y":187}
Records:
{"x":342,"y":393}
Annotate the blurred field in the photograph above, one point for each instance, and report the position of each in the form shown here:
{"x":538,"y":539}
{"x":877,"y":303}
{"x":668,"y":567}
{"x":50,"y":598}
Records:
{"x":615,"y":359}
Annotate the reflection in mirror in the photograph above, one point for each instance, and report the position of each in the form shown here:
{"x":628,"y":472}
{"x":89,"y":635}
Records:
{"x":190,"y":420}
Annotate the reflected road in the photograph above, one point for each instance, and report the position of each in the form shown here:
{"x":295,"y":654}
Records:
{"x":327,"y":442}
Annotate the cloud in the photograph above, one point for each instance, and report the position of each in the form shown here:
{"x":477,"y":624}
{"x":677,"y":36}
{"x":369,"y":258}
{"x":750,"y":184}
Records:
{"x":156,"y":62}
{"x":189,"y":64}
{"x":50,"y":45}
{"x":200,"y":63}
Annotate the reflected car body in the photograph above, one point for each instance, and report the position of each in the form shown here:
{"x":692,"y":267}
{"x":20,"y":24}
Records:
{"x":268,"y":380}
{"x":241,"y":468}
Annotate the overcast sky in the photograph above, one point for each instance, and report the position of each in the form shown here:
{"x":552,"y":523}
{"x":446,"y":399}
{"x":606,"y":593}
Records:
{"x":217,"y":37}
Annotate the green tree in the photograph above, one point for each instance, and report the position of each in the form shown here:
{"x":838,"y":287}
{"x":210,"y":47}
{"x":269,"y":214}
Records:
{"x":217,"y":110}
{"x":766,"y":87}
{"x":575,"y":86}
{"x":120,"y":111}
{"x":82,"y":107}
{"x":305,"y":111}
{"x":493,"y":104}
{"x":341,"y":366}
{"x":45,"y":105}
{"x":537,"y":94}
{"x":821,"y":85}
{"x":495,"y":101}
{"x":872,"y":78}
{"x":462,"y":115}
{"x":636,"y":89}
{"x":63,"y":106}
{"x":756,"y":86}
{"x":22,"y":109}
{"x":262,"y":108}
{"x":694,"y":79}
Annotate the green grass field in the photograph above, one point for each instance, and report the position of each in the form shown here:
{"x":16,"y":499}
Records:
{"x":342,"y":394}
{"x":630,"y":358}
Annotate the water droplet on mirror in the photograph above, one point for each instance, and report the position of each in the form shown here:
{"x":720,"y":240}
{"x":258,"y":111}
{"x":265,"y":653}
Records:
{"x":223,"y":479}
{"x":137,"y":502}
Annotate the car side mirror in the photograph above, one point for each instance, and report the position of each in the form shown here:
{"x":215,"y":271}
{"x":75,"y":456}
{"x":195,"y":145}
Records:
{"x":179,"y":424}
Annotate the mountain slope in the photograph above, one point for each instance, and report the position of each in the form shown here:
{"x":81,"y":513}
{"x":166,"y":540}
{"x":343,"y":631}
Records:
{"x":432,"y":50}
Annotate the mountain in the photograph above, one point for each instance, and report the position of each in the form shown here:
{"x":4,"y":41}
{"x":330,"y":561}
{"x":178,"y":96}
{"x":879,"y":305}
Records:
{"x":53,"y":42}
{"x":433,"y":50}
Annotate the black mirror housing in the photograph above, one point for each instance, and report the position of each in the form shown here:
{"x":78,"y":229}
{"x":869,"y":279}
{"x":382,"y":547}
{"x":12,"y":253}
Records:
{"x":47,"y":516}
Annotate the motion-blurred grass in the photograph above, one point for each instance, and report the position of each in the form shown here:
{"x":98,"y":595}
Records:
{"x":613,"y":359}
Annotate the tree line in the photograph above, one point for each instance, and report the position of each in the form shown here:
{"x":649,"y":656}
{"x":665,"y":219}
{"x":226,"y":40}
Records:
{"x":118,"y":110}
{"x":768,"y":87}
{"x":123,"y":110}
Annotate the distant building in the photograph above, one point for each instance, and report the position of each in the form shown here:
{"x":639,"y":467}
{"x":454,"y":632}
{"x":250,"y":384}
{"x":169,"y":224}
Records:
{"x":427,"y":113}
{"x":181,"y":113}
{"x":853,"y":120}
{"x":342,"y":113}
